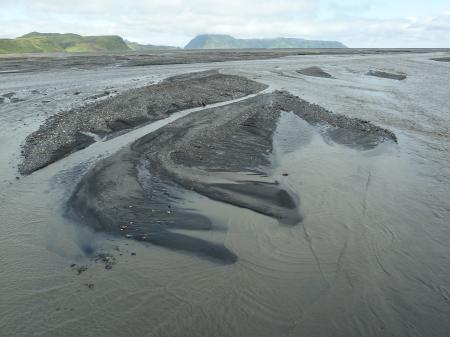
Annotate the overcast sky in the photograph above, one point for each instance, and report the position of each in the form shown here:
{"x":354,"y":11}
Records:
{"x":356,"y":23}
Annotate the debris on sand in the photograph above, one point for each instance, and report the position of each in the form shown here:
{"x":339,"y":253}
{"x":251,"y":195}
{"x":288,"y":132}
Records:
{"x":222,"y":153}
{"x":107,"y":259}
{"x":383,"y":74}
{"x":64,"y":133}
{"x":97,"y":96}
{"x":79,"y":269}
{"x":315,"y":72}
{"x":9,"y":95}
{"x":16,"y":100}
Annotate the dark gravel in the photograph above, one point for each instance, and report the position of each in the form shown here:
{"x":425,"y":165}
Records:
{"x":315,"y":72}
{"x":22,"y":63}
{"x":64,"y":133}
{"x":441,"y":59}
{"x":383,"y":74}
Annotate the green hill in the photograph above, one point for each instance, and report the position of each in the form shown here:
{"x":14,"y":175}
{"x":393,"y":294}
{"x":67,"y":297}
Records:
{"x":147,"y":47}
{"x":211,"y":41}
{"x":54,"y":42}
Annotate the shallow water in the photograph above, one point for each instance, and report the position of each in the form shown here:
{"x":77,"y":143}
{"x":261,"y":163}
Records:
{"x":371,"y":257}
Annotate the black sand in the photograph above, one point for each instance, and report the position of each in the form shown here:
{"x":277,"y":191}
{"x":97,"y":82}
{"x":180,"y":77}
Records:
{"x":314,"y":72}
{"x":383,"y":74}
{"x":442,"y":59}
{"x":23,"y":63}
{"x":223,"y":153}
{"x":64,"y":133}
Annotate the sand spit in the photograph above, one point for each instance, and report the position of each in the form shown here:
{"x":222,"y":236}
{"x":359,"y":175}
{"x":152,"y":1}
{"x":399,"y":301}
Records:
{"x":223,"y":153}
{"x":315,"y":72}
{"x":442,"y":59}
{"x":383,"y":74}
{"x":66,"y":132}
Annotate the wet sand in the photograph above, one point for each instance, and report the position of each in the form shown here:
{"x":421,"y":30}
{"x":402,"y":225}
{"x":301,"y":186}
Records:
{"x":220,"y":153}
{"x":368,"y":258}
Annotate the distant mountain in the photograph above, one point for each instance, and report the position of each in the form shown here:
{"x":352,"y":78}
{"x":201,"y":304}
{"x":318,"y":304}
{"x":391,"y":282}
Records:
{"x":213,"y":41}
{"x":54,"y":42}
{"x":147,"y":47}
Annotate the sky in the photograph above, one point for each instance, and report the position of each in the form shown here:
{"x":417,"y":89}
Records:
{"x":356,"y":23}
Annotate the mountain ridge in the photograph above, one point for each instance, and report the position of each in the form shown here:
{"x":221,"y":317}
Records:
{"x":36,"y":42}
{"x":221,"y":41}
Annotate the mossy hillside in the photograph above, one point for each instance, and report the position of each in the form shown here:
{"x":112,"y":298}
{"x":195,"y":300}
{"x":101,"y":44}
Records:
{"x":54,"y":42}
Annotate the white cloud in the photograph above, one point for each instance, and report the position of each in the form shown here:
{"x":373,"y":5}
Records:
{"x":177,"y":21}
{"x":350,"y":8}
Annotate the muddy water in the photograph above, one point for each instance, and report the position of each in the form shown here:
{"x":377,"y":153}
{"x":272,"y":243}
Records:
{"x":371,"y":257}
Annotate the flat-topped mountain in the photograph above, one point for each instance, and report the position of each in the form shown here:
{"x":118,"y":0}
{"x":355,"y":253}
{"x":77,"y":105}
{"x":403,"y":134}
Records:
{"x":214,"y":41}
{"x":148,"y":47}
{"x":55,"y":42}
